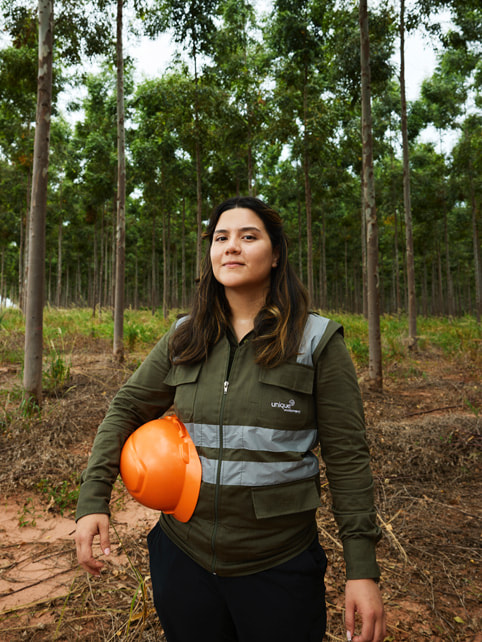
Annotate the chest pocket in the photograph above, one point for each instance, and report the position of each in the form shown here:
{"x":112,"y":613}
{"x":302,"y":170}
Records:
{"x":184,"y":379}
{"x":285,"y":397}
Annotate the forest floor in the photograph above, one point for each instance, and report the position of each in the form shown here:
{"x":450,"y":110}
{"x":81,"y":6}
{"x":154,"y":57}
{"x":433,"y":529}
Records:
{"x":425,"y":435}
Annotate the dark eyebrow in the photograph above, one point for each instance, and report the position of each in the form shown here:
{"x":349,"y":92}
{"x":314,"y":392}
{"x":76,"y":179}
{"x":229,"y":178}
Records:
{"x":248,"y":228}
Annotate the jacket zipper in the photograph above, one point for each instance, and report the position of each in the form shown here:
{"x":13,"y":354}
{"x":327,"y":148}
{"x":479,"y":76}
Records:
{"x":218,"y":475}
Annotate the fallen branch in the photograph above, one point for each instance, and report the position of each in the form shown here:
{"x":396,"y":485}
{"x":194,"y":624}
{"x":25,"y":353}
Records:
{"x":389,"y":530}
{"x":45,"y":579}
{"x":426,"y":412}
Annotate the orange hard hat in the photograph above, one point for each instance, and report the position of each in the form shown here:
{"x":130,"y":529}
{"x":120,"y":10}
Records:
{"x":160,"y":467}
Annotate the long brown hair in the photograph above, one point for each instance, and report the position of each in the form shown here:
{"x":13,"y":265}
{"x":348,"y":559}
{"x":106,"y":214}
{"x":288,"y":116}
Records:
{"x":278,"y":326}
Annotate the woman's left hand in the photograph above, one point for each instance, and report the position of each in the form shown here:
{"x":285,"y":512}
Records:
{"x":363,"y":597}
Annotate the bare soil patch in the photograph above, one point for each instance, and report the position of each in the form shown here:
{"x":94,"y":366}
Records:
{"x":425,"y":435}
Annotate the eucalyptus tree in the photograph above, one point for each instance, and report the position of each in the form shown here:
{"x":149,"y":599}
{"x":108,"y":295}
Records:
{"x":160,"y":163}
{"x":95,"y":146}
{"x":467,"y":183}
{"x":32,"y":380}
{"x":369,"y":206}
{"x":12,"y":201}
{"x":410,"y":260}
{"x":430,"y":199}
{"x":296,"y":34}
{"x":60,"y":204}
{"x":32,"y":377}
{"x":389,"y":189}
{"x":193,"y":26}
{"x":119,"y":293}
{"x":450,"y":94}
{"x":442,"y":98}
{"x":342,"y":71}
{"x":238,"y":67}
{"x":18,"y":70}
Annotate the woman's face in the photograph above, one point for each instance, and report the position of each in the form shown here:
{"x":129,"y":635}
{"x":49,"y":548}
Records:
{"x":241,"y":252}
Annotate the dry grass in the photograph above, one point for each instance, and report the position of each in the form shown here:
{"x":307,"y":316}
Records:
{"x":424,"y":431}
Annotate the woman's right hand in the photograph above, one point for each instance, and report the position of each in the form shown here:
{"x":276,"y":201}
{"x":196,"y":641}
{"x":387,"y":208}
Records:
{"x":87,"y":528}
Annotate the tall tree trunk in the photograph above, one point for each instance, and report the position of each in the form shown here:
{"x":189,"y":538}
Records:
{"x":441,"y":306}
{"x":23,"y":247}
{"x":363,"y":228}
{"x":476,"y":244}
{"x":425,"y":290}
{"x":197,"y":152}
{"x":165,"y":271}
{"x":153,"y":267}
{"x":308,"y":200}
{"x":369,"y":206}
{"x":58,"y":293}
{"x":324,"y":288}
{"x":32,"y":376}
{"x":95,"y":268}
{"x":183,"y":255}
{"x":347,"y":295}
{"x":398,"y":300}
{"x":450,"y":308}
{"x":198,"y":209}
{"x":412,"y":303}
{"x":119,"y":298}
{"x":3,"y":295}
{"x":300,"y":243}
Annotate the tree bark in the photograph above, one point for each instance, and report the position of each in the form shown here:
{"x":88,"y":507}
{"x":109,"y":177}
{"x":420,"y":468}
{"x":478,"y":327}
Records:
{"x":369,"y":206}
{"x":58,"y":293}
{"x":197,"y":152}
{"x":308,"y":200}
{"x":32,"y":377}
{"x":183,"y":255}
{"x":119,"y":297}
{"x":477,"y":259}
{"x":412,"y":303}
{"x":324,"y":282}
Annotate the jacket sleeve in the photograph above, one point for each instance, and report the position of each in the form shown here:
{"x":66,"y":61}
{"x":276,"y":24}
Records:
{"x":142,"y":398}
{"x":341,"y":429}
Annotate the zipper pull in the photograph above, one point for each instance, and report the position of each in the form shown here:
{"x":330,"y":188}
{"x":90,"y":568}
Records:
{"x":226,"y":386}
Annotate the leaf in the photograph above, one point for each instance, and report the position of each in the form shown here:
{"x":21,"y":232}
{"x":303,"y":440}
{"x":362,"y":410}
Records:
{"x":459,"y":620}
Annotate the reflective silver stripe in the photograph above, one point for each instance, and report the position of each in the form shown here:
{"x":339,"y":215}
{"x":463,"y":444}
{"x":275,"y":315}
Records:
{"x":181,"y":320}
{"x":314,"y":330}
{"x":250,"y":473}
{"x":253,"y":438}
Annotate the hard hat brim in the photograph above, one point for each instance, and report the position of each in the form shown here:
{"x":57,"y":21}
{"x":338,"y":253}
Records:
{"x":190,"y":492}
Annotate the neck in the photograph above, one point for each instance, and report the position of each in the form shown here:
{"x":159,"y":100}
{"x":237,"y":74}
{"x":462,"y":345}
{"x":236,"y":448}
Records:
{"x":244,"y":309}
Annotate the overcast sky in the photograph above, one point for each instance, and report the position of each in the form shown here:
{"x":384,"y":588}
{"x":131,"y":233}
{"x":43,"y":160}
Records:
{"x":153,"y":56}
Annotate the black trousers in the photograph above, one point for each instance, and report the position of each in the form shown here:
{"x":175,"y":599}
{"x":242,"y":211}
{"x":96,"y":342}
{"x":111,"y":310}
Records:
{"x":283,"y":604}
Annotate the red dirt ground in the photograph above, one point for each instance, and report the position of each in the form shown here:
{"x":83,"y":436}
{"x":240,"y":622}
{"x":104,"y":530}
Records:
{"x":424,"y":432}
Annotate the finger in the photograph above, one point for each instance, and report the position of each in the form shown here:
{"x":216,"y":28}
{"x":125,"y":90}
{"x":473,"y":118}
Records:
{"x":83,"y":543}
{"x":367,"y":630}
{"x":104,"y":536}
{"x":380,"y":629}
{"x":86,"y":559}
{"x":92,"y":566}
{"x":349,"y":620}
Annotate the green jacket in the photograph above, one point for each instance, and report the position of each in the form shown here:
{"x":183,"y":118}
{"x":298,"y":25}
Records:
{"x":254,"y":429}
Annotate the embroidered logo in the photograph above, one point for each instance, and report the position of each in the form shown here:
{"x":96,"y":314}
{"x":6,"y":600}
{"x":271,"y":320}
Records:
{"x":286,"y":407}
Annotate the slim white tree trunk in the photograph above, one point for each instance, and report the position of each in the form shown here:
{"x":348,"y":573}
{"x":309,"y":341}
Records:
{"x":119,"y":297}
{"x":32,"y":376}
{"x":412,"y":309}
{"x":369,"y":206}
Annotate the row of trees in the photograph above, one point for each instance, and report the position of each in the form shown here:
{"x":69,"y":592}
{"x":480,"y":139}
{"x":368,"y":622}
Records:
{"x":267,"y":106}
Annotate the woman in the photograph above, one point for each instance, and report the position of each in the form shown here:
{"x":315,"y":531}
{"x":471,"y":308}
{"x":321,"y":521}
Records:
{"x":259,"y":382}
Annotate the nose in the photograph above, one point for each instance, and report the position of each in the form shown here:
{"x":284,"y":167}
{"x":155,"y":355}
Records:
{"x":232,"y":245}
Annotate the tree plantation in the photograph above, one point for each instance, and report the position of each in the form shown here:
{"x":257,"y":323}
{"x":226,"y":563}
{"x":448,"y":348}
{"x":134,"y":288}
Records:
{"x":257,"y":99}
